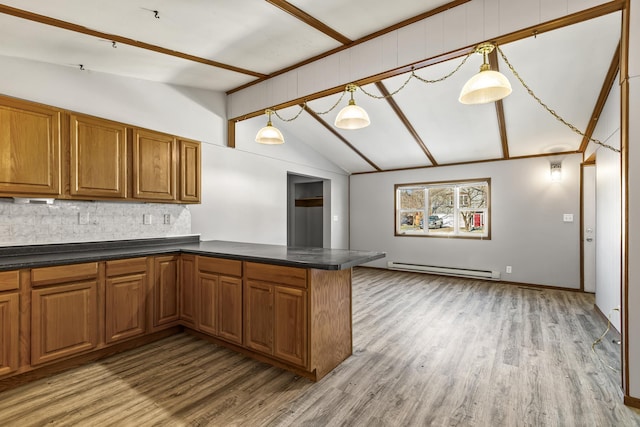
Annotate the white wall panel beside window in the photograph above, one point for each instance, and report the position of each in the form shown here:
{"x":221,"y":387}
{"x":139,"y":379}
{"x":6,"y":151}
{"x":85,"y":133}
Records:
{"x":527,"y":228}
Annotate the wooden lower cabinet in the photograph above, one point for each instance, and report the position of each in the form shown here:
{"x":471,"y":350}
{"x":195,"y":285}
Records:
{"x":276,"y":312}
{"x":125,"y":299}
{"x":220,"y":298}
{"x":290,"y":325}
{"x":64,"y":320}
{"x":166,"y":307}
{"x":9,"y":328}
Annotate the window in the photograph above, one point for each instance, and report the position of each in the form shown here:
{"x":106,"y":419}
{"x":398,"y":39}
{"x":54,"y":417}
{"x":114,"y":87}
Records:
{"x":451,"y":209}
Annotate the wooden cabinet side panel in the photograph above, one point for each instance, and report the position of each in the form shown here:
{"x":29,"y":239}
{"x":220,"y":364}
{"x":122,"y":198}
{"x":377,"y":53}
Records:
{"x":98,"y":157}
{"x":166,"y":304}
{"x":188,"y":306}
{"x":230,"y":309}
{"x":64,"y":321}
{"x":154,"y":165}
{"x":125,"y":307}
{"x":9,"y":328}
{"x":30,"y":148}
{"x":330,"y":319}
{"x":190,"y":171}
{"x":290,"y":325}
{"x":207,"y":295}
{"x":258,"y":316}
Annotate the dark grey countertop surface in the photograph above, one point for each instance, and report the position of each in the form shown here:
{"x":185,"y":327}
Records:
{"x":32,"y":256}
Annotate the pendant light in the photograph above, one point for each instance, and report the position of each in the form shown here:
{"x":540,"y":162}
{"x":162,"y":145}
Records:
{"x":487,"y":85}
{"x":269,"y":134}
{"x":352,"y":116}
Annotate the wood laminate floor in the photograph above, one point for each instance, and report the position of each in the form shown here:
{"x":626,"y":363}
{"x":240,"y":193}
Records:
{"x":428,"y":351}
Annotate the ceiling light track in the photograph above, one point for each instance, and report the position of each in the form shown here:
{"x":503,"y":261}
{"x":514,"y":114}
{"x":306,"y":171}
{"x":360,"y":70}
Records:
{"x":30,"y":16}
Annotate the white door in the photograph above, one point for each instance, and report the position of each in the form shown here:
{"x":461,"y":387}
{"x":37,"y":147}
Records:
{"x":589,"y":227}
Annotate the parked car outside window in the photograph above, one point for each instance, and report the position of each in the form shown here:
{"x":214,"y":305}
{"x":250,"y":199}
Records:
{"x":435,"y":221}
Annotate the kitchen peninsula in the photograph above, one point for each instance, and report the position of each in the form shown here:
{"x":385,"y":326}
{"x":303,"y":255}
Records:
{"x":66,"y":304}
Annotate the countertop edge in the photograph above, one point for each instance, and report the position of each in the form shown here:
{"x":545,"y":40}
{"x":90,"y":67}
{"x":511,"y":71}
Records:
{"x":48,"y":259}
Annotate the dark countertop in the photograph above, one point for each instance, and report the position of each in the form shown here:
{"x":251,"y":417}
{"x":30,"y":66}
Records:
{"x":31,"y":256}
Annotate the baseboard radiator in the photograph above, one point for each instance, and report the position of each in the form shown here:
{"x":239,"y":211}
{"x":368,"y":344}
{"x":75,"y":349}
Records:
{"x":461,"y":272}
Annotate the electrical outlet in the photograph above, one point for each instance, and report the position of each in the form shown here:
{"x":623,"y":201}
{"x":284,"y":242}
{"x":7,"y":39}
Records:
{"x":508,"y":269}
{"x":167,"y":218}
{"x":146,"y":219}
{"x":83,"y":218}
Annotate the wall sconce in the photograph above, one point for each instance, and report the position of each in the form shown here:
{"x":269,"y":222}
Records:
{"x":556,"y":171}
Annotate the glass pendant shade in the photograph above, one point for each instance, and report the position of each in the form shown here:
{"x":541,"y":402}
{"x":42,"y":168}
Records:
{"x":269,"y":134}
{"x":352,"y":117}
{"x":486,"y":86}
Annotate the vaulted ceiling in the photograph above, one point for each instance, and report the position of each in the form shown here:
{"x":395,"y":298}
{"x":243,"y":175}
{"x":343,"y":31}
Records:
{"x":223,"y":45}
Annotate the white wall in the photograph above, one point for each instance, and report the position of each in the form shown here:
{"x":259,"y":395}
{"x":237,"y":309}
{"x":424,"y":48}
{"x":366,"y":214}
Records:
{"x":527,"y":228}
{"x":608,"y":212}
{"x":244,"y":190}
{"x":632,"y":303}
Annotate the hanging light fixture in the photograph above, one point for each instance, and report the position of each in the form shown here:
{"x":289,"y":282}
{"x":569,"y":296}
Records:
{"x":269,"y":134}
{"x":487,"y":85}
{"x":352,"y":116}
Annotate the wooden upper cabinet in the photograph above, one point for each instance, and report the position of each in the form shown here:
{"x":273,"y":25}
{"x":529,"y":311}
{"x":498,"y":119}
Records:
{"x":189,"y":171}
{"x":29,"y":149}
{"x":154,"y":165}
{"x":98,"y":154}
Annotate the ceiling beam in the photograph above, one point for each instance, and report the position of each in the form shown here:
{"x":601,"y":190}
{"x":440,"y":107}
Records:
{"x":401,"y":24}
{"x":310,"y":20}
{"x":585,"y":15}
{"x":340,"y":137}
{"x":30,"y":16}
{"x":405,"y":121}
{"x":502,"y":126}
{"x":608,"y":83}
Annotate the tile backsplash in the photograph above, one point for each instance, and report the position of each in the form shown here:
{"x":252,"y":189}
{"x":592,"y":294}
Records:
{"x":77,"y":221}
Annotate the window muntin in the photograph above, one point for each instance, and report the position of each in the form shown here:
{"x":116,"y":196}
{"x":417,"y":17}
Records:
{"x":453,"y":209}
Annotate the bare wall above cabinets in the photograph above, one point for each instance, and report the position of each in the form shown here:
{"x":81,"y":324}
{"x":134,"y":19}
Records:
{"x":49,"y":152}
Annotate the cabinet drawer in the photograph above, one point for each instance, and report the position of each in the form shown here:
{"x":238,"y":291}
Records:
{"x":63,"y":273}
{"x":126,"y":266}
{"x":9,"y":280}
{"x":277,"y":274}
{"x":227,"y":267}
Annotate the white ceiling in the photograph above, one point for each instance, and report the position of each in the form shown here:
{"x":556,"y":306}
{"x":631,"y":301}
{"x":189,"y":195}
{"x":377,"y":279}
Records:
{"x":565,"y":67}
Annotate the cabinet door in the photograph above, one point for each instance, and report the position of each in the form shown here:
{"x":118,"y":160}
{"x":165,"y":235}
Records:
{"x":230,"y":309}
{"x":63,"y":321}
{"x":189,"y":171}
{"x":188,"y":294}
{"x":258,"y":320}
{"x":125,"y":307}
{"x":29,"y":148}
{"x":290,"y":325}
{"x":98,"y":157}
{"x":154,"y":165}
{"x":165,"y":291}
{"x":208,"y":295}
{"x":9,"y":326}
